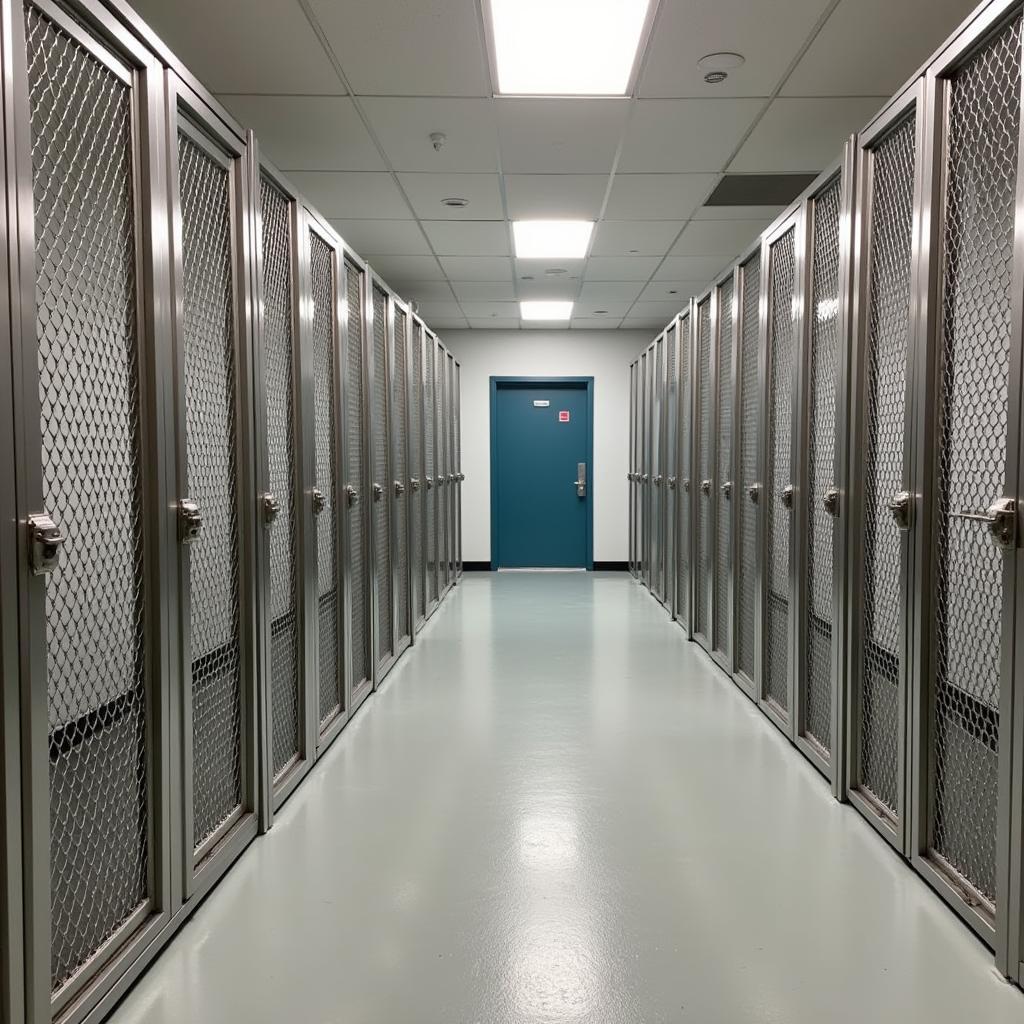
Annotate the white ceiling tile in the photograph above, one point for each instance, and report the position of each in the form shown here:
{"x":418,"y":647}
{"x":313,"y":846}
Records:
{"x":609,"y":323}
{"x":548,"y":288}
{"x":479,"y":310}
{"x":244,"y":45}
{"x":765,"y":213}
{"x":397,"y":237}
{"x":468,"y":238}
{"x":691,"y":268}
{"x":484,"y":291}
{"x":545,"y":325}
{"x":871,"y":47}
{"x":679,"y":292}
{"x":308,"y":133}
{"x":593,"y":292}
{"x":404,"y":268}
{"x":589,"y":308}
{"x":444,"y":323}
{"x":398,"y":48}
{"x":803,"y":134}
{"x":718,"y":237}
{"x":769,"y":35}
{"x":539,"y":269}
{"x":348,"y":195}
{"x":686,"y":135}
{"x":433,"y":309}
{"x":634,"y":237}
{"x":477,"y":268}
{"x":658,"y":196}
{"x":404,"y":126}
{"x":424,"y":291}
{"x":575,"y":136}
{"x":555,"y":196}
{"x":494,"y":323}
{"x":426,"y":192}
{"x":621,"y":268}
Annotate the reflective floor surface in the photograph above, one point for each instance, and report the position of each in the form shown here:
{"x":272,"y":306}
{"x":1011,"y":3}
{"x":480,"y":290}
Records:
{"x":557,"y":810}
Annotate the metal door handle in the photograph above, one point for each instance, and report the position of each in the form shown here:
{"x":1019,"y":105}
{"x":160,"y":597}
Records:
{"x":378,"y":492}
{"x":319,"y":501}
{"x":754,"y":493}
{"x":686,"y":484}
{"x":399,"y":488}
{"x":271,"y":509}
{"x":430,"y":483}
{"x":786,"y":497}
{"x":705,"y":487}
{"x":1000,"y":518}
{"x":727,"y":490}
{"x":643,"y":479}
{"x":830,"y":502}
{"x":657,"y":480}
{"x":352,"y":495}
{"x":580,"y":482}
{"x":190,"y":521}
{"x":899,"y":509}
{"x":451,"y":478}
{"x":46,"y":540}
{"x":671,"y":483}
{"x":414,"y":484}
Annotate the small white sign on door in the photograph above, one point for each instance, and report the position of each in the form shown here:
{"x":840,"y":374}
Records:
{"x":540,"y":403}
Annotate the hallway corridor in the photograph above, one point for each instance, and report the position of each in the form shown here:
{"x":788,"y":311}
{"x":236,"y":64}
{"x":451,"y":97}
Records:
{"x":561,"y":811}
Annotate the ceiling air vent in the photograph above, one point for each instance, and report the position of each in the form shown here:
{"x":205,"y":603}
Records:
{"x":759,"y":189}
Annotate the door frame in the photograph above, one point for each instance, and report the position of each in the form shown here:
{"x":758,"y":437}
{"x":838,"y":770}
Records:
{"x":576,"y":383}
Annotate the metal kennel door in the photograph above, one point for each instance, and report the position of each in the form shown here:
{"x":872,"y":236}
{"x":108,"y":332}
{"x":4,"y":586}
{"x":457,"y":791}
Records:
{"x":417,"y":495}
{"x":704,"y":473}
{"x":431,"y":466}
{"x":631,"y":473}
{"x":780,"y":353}
{"x":670,"y":435}
{"x":443,"y":464}
{"x":721,"y":495}
{"x":380,"y":440}
{"x":399,"y":407}
{"x":645,"y":467}
{"x":460,"y":477}
{"x":684,"y":472}
{"x":449,"y":423}
{"x":657,"y":469}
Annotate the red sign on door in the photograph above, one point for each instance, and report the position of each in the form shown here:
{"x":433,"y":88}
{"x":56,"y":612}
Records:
{"x":563,"y":416}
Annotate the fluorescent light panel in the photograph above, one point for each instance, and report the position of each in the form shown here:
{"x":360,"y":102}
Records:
{"x":566,"y":47}
{"x":545,"y":310}
{"x":552,"y":239}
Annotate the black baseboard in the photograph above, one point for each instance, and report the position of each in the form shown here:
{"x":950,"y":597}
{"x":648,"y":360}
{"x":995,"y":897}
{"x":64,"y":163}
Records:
{"x":611,"y":566}
{"x":476,"y":566}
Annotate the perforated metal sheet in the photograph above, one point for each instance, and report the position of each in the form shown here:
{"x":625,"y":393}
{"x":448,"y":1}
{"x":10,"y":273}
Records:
{"x":86,"y":285}
{"x":323,"y":290}
{"x":399,"y":406}
{"x":816,"y":677}
{"x":212,"y":480}
{"x":416,"y":498}
{"x":981,"y":179}
{"x":704,"y":471}
{"x":429,"y":431}
{"x":381,"y":475}
{"x":276,"y":242}
{"x":686,"y":484}
{"x":748,"y":441}
{"x":781,"y":342}
{"x":723,"y":471}
{"x":878,"y":707}
{"x":359,"y":566}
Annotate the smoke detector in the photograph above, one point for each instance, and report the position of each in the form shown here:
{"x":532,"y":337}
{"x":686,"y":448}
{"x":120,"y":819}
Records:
{"x":455,"y":201}
{"x":437,"y":140}
{"x":717,"y":65}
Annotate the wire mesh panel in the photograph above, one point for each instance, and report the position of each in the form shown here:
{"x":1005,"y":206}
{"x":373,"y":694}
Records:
{"x":444,"y":463}
{"x":417,"y":471}
{"x":211,"y":442}
{"x":747,"y":442}
{"x":323,"y":289}
{"x":457,"y":403}
{"x":781,"y":341}
{"x":355,"y":439}
{"x":381,"y":475}
{"x":400,"y":427}
{"x":645,"y":441}
{"x":723,"y":472}
{"x":815,"y":677}
{"x":685,"y":471}
{"x":278,"y":374}
{"x":631,"y":474}
{"x":86,"y":294}
{"x":983,"y":122}
{"x":657,"y":469}
{"x":704,"y":472}
{"x":430,"y":463}
{"x":878,"y":711}
{"x":671,"y":458}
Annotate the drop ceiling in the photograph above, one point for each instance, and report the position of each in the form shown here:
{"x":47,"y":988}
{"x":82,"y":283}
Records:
{"x":345,"y":94}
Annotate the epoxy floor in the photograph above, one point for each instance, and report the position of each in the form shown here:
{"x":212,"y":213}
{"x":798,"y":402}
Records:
{"x":556,"y":810}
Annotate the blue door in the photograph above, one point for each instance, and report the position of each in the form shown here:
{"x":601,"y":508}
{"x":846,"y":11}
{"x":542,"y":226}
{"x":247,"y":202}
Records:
{"x":541,"y":435}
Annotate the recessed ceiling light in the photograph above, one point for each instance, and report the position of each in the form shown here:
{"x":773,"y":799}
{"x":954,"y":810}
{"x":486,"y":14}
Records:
{"x":556,"y":271}
{"x":566,"y":47}
{"x":456,"y":201}
{"x":534,"y":310}
{"x":724,"y":61}
{"x":552,"y":239}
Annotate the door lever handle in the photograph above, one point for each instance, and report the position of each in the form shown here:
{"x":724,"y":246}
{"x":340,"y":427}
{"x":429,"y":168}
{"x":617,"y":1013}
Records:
{"x":1000,"y":518}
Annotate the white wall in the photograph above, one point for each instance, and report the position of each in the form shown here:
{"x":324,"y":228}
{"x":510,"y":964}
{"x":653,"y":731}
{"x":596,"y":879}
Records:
{"x":603,"y":355}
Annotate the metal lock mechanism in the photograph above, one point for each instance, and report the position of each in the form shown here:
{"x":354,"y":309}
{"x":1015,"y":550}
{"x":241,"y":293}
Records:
{"x":686,"y":484}
{"x":786,"y":497}
{"x":319,"y":501}
{"x":899,"y":509}
{"x":1000,"y":518}
{"x":657,"y":480}
{"x":727,"y":490}
{"x":351,"y":495}
{"x":46,"y":540}
{"x":399,"y":488}
{"x":671,"y":483}
{"x":271,"y":509}
{"x":190,"y":521}
{"x":430,"y":483}
{"x":830,"y":502}
{"x":378,"y":492}
{"x":754,"y":493}
{"x":705,"y":487}
{"x":643,"y":479}
{"x":414,"y":484}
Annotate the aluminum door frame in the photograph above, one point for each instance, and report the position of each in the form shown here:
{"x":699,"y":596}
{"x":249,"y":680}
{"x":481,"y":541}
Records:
{"x":273,"y":795}
{"x":700,"y":487}
{"x":431,"y":494}
{"x":99,"y":984}
{"x":417,"y":489}
{"x":459,"y":475}
{"x":843,"y":172}
{"x":723,"y":490}
{"x":741,"y":493}
{"x":629,"y":471}
{"x":671,"y":443}
{"x":443,"y":479}
{"x":790,"y":220}
{"x":996,"y":929}
{"x":449,"y":432}
{"x":910,"y":104}
{"x":657,"y":474}
{"x":400,"y":642}
{"x":684,"y":455}
{"x":645,"y":468}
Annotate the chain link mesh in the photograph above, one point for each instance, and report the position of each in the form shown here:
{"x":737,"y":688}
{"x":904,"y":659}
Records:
{"x":381,"y":475}
{"x":686,"y":484}
{"x":671,"y":457}
{"x":981,"y":179}
{"x":441,"y":396}
{"x":323,"y":290}
{"x":211,"y":443}
{"x":276,"y":326}
{"x":645,"y":467}
{"x":746,"y":542}
{"x":781,"y":342}
{"x":457,"y":420}
{"x":723,"y":504}
{"x":359,"y":630}
{"x":816,"y":678}
{"x":86,"y":332}
{"x":401,"y":471}
{"x":704,"y":471}
{"x":878,"y":710}
{"x":657,"y":469}
{"x":418,"y":470}
{"x":429,"y":430}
